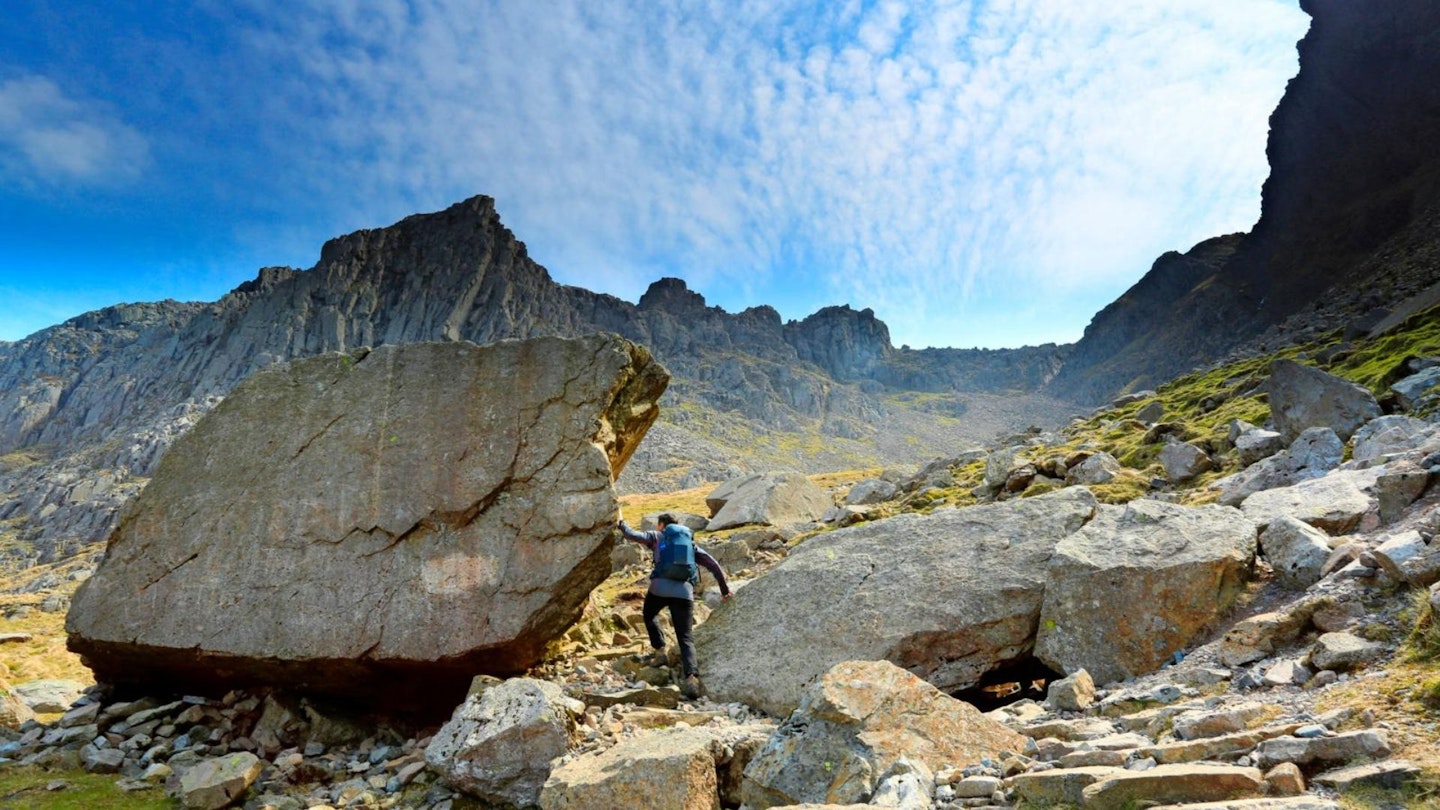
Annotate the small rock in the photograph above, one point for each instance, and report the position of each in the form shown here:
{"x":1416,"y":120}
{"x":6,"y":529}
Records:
{"x":1285,"y":779}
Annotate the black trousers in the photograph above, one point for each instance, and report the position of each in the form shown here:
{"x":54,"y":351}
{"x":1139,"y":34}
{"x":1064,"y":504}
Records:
{"x":682,"y":615}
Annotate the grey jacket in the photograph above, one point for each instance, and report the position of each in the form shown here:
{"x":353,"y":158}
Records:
{"x":672,"y":588}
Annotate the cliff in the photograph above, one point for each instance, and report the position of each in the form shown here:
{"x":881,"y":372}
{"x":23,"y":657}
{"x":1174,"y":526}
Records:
{"x":1348,"y":216}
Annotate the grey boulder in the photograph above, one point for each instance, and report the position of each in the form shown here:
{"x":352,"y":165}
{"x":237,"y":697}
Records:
{"x":1296,"y":550}
{"x":772,"y":499}
{"x":1303,"y":397}
{"x":1314,"y":453}
{"x":1138,"y":583}
{"x":499,"y":744}
{"x":949,"y":596}
{"x":383,"y":524}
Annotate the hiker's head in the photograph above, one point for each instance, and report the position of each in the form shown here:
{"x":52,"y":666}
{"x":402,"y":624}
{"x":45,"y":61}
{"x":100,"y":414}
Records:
{"x":666,"y":519}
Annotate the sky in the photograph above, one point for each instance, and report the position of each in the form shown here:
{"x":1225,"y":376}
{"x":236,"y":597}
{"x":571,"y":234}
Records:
{"x":982,"y":173}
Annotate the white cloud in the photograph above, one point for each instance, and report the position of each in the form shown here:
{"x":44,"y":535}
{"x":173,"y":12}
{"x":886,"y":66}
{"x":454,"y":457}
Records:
{"x":49,"y":137}
{"x":924,"y":159}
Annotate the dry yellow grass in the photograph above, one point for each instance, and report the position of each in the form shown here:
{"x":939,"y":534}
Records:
{"x":1412,"y":726}
{"x":44,"y":657}
{"x":685,"y":500}
{"x":693,"y":500}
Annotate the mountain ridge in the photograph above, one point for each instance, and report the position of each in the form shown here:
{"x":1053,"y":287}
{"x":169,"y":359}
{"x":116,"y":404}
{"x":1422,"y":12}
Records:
{"x":1346,"y":234}
{"x":99,"y":398}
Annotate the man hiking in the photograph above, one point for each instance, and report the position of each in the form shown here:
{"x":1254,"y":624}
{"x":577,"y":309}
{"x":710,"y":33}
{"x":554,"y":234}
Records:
{"x":672,"y":585}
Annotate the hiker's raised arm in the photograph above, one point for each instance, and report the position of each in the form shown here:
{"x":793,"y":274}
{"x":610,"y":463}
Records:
{"x":644,"y":538}
{"x":703,"y":558}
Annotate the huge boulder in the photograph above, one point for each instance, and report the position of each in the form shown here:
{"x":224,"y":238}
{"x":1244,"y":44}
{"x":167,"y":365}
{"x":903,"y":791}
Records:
{"x":382,"y":524}
{"x":1138,"y":583}
{"x":949,"y":596}
{"x":1303,"y":397}
{"x":773,"y":499}
{"x":857,"y":723}
{"x":499,"y":744}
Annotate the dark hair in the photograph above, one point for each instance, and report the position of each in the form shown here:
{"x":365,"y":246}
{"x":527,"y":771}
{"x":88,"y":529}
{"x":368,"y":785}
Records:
{"x":666,"y":519}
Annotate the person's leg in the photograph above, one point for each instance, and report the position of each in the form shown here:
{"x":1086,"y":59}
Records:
{"x":682,"y":615}
{"x":650,"y":612}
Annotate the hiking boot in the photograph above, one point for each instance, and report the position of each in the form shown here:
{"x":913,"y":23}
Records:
{"x":690,"y":687}
{"x":656,"y":658}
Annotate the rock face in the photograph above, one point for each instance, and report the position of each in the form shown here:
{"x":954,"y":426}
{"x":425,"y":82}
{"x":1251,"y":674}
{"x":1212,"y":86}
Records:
{"x":1138,"y":583}
{"x":850,"y":595}
{"x":499,"y":744}
{"x":1352,"y":202}
{"x":97,"y":400}
{"x":854,"y":725}
{"x":387,"y":522}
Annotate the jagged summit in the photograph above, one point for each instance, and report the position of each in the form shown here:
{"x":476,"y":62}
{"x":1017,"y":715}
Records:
{"x":672,"y":295}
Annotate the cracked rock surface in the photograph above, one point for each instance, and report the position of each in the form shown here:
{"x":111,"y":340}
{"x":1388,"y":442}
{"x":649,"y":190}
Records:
{"x":390,"y":521}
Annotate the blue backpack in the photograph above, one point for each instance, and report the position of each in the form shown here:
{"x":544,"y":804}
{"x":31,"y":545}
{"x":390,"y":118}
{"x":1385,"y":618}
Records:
{"x":675,"y":555}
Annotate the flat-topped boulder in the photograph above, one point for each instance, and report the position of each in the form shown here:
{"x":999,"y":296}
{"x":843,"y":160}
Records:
{"x":382,"y":524}
{"x":948,"y":596}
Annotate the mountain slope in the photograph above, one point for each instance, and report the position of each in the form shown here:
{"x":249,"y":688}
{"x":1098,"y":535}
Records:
{"x":87,"y":407}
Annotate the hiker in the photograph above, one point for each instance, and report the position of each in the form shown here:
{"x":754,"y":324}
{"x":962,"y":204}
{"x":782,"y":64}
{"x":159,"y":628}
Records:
{"x":676,"y":594}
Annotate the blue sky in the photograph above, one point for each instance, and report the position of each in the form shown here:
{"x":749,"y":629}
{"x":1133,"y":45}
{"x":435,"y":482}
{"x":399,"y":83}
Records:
{"x":979,"y":172}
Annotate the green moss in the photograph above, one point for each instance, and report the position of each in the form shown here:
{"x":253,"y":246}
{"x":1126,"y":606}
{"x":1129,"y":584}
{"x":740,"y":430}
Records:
{"x":22,"y":788}
{"x":19,"y":459}
{"x":1378,"y":364}
{"x":1425,"y":794}
{"x":1124,"y":488}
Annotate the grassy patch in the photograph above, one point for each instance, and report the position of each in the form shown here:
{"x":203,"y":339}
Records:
{"x":1123,"y":488}
{"x":19,"y":459}
{"x":686,"y":500}
{"x":1423,"y":795}
{"x":845,"y":478}
{"x":1378,"y":364}
{"x":44,"y":657}
{"x":1423,"y":643}
{"x":24,"y":788}
{"x":1397,"y":698}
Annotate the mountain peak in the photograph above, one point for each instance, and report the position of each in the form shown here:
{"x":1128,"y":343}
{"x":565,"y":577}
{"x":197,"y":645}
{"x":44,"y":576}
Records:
{"x":672,"y":295}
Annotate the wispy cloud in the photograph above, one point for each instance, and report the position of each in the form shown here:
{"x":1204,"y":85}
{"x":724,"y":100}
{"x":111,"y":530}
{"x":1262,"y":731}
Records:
{"x":921,"y":158}
{"x":49,"y":137}
{"x":980,"y":172}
